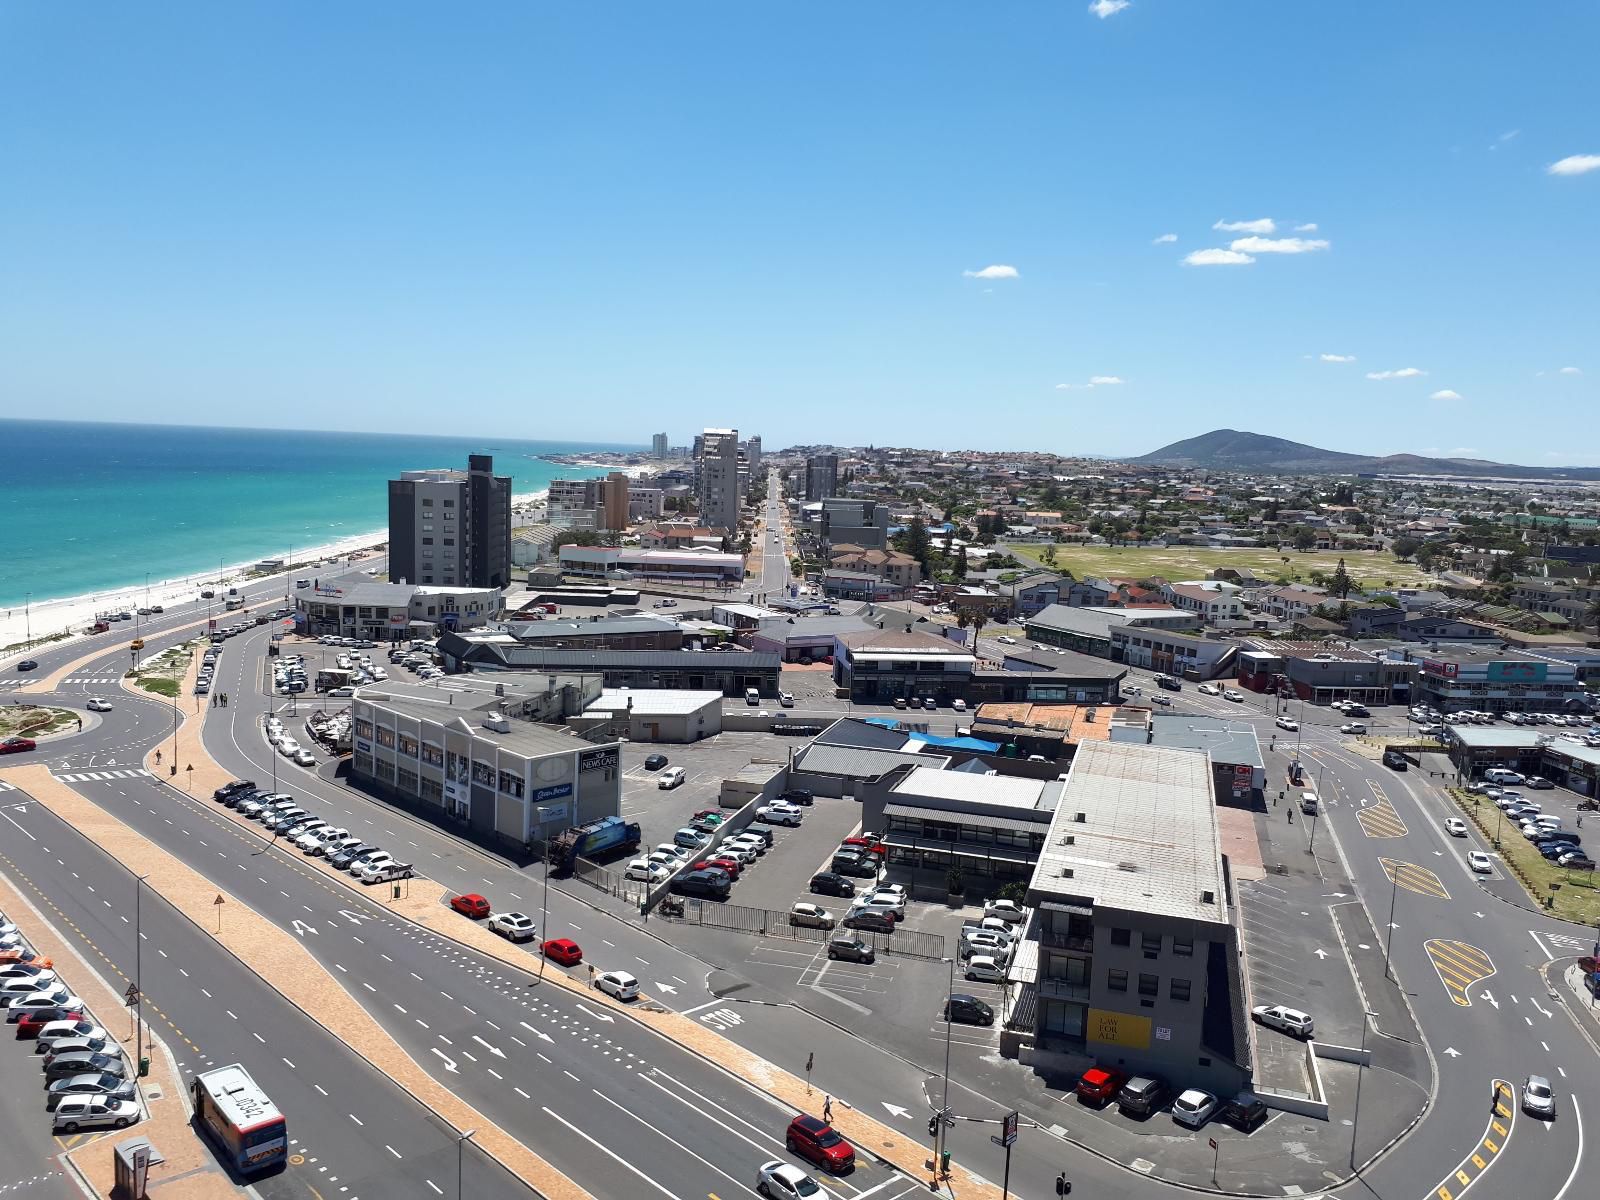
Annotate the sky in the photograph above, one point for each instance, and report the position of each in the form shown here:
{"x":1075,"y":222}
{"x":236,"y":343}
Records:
{"x":1082,"y":227}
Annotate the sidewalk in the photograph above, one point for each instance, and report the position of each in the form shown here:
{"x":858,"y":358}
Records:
{"x":188,"y":1170}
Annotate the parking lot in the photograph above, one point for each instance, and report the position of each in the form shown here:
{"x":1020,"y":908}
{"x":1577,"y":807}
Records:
{"x":706,"y":764}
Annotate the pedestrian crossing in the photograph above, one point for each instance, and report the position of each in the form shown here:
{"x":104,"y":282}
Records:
{"x":89,"y":679}
{"x":99,"y":776}
{"x":11,"y":683}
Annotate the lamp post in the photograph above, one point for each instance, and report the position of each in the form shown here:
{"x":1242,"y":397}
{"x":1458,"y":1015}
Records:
{"x":944,"y":1104}
{"x":1388,"y":938}
{"x":1361,"y":1070}
{"x":461,"y":1141}
{"x":1311,"y":847}
{"x":138,"y":971}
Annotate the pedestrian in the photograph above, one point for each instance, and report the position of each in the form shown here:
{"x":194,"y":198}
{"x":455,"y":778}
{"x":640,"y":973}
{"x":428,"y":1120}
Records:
{"x":1291,"y":815}
{"x":827,"y":1110}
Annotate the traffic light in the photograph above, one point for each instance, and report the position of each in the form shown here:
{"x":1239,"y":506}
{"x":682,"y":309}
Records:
{"x":933,"y":1125}
{"x":1063,"y":1185}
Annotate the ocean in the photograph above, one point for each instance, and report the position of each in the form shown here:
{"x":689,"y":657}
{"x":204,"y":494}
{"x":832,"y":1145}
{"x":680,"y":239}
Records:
{"x":95,"y":507}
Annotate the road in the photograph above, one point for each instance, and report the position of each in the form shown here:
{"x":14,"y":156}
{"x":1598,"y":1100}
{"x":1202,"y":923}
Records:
{"x":773,"y":579}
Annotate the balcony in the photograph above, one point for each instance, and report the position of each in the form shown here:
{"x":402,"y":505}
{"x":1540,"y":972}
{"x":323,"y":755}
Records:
{"x":1063,"y":989}
{"x":1082,"y":943}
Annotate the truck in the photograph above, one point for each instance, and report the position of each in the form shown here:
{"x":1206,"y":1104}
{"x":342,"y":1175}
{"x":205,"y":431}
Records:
{"x":611,"y":836}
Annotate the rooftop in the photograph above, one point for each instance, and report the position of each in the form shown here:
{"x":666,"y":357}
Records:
{"x":1072,"y":720}
{"x":653,"y":702}
{"x":1147,"y":841}
{"x":1230,"y":742}
{"x":1002,"y":791}
{"x":465,"y":709}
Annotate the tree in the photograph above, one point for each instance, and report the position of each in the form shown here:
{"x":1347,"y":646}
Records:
{"x":1341,"y":583}
{"x":1405,"y":547}
{"x":959,"y":567}
{"x":979,"y":620}
{"x":1048,"y":555}
{"x":915,"y":541}
{"x":1304,"y":539}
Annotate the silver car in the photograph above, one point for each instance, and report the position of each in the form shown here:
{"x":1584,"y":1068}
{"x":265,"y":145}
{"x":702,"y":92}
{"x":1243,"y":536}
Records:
{"x":1538,"y":1100}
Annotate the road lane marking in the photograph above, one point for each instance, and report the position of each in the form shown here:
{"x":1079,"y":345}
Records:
{"x":1459,"y":966}
{"x":1413,"y":878}
{"x":1486,"y":1153}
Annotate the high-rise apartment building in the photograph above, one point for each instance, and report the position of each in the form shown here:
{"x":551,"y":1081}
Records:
{"x":717,"y":478}
{"x":822,"y":476}
{"x":614,"y":500}
{"x":451,"y":528}
{"x":658,"y":445}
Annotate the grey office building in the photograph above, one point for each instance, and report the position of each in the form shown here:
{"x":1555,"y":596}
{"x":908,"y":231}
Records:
{"x":451,"y":528}
{"x":717,"y":478}
{"x":822,"y":476}
{"x":658,"y":445}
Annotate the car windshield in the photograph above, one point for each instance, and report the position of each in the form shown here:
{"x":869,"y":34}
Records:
{"x":807,"y":1186}
{"x":1539,"y":1091}
{"x":828,"y":1138}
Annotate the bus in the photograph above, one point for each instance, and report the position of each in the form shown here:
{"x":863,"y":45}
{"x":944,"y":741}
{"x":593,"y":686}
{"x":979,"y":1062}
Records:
{"x":243,"y":1121}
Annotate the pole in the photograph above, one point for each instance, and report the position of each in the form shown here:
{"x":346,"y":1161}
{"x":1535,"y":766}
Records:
{"x":1361,"y":1070}
{"x":1005,"y":1180}
{"x":461,"y":1141}
{"x":138,"y":969}
{"x":1388,"y":940}
{"x":944,"y":1104}
{"x":1311,"y":848}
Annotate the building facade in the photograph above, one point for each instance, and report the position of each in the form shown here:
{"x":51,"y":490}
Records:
{"x":710,"y":567}
{"x":358,"y":607}
{"x":717,"y":478}
{"x":451,"y":528}
{"x":822,"y":476}
{"x":658,"y":445}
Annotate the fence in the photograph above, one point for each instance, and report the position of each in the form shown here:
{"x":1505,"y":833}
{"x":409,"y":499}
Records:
{"x":767,"y":922}
{"x":612,"y":883}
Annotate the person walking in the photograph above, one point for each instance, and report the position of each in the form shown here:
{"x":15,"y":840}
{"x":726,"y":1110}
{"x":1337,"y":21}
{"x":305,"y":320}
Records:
{"x":827,"y":1110}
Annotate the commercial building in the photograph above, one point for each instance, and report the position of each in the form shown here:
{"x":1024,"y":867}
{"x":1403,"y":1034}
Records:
{"x":1238,"y":770}
{"x":822,"y":476}
{"x":1318,"y":674}
{"x":835,"y":521}
{"x":1052,"y":675}
{"x":717,"y":478}
{"x":727,"y":671}
{"x":696,"y":566}
{"x":1031,"y":594}
{"x":358,"y":607}
{"x":1087,"y":628}
{"x":658,"y":445}
{"x":1490,"y":680}
{"x":655,"y":715}
{"x":991,"y":827}
{"x":880,"y":665}
{"x":451,"y":528}
{"x":471,"y":752}
{"x":1184,"y":654}
{"x":598,"y":631}
{"x":1476,"y":748}
{"x":1131,"y":956}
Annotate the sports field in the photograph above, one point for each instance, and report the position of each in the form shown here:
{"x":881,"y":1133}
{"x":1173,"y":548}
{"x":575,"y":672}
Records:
{"x":1370,"y":568}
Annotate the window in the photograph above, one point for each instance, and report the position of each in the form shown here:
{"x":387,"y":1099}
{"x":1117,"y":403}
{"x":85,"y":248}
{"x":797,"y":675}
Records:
{"x":449,"y":503}
{"x":1183,"y":947}
{"x":1151,"y":942}
{"x":427,"y":541}
{"x":449,"y":541}
{"x":427,"y":502}
{"x":1117,"y":980}
{"x":1122,"y":937}
{"x":1149,"y":985}
{"x":1178,"y":989}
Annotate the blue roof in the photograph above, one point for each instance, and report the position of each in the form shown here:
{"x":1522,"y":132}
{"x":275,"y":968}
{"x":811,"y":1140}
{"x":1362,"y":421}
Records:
{"x":956,"y":743}
{"x":886,"y":722}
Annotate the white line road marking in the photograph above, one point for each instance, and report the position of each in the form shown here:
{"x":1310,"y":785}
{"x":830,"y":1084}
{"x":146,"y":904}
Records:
{"x":355,"y":1118}
{"x":611,"y":1153}
{"x":391,"y":1150}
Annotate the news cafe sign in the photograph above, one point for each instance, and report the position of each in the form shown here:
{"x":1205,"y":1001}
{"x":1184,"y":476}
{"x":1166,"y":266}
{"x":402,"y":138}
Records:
{"x":597,"y":760}
{"x":332,"y":591}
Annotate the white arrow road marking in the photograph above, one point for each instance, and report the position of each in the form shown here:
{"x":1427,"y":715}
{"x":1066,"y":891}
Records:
{"x":1539,"y":1006}
{"x":302,"y":928}
{"x":494,"y":1050}
{"x":1489,"y":996}
{"x":606,"y":1017}
{"x":449,"y":1063}
{"x":1320,"y":952}
{"x":538,"y":1033}
{"x":353,"y":917}
{"x":666,"y":987}
{"x":895,"y":1109}
{"x":1452,"y":1052}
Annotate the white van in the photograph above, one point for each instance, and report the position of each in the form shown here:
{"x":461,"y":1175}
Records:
{"x":670,"y":778}
{"x":752,"y":696}
{"x":1308,"y":803}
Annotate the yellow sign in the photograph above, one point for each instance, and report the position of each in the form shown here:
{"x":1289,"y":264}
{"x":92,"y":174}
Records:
{"x":1120,"y":1029}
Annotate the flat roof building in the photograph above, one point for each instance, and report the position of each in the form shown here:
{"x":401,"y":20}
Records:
{"x":359,"y":607}
{"x":451,"y":528}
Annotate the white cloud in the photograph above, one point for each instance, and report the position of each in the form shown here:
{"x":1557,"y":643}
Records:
{"x":1066,"y":387}
{"x":993,"y":271}
{"x":1338,"y":358}
{"x":1108,"y":8}
{"x":1104,"y":380}
{"x":1215,"y":258}
{"x":1164,"y":239}
{"x":1402,"y":373}
{"x":1445,"y":394}
{"x":1289,"y":245}
{"x":1504,"y":138}
{"x":1308,"y":227}
{"x":1575,"y":164}
{"x":1264,"y":225}
{"x":1572,"y":370}
{"x":1462,"y":451}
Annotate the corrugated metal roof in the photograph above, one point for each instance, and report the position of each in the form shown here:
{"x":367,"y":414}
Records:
{"x":859,"y":763}
{"x":1005,"y":791}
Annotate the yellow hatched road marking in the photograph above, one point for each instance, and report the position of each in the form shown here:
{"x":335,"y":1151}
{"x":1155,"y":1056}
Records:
{"x":1463,"y":1178}
{"x":1475,"y":1164}
{"x":1459,"y":966}
{"x":1381,"y":821}
{"x":1415,"y":879}
{"x":1443,"y":1193}
{"x":1490,"y":1146}
{"x":1477,"y":1161}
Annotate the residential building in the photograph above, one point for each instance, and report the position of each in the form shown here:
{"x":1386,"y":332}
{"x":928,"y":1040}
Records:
{"x":879,"y":666}
{"x":645,"y":503}
{"x":359,"y":607}
{"x":658,"y":445}
{"x":697,"y":566}
{"x":838,"y":521}
{"x":822,"y":476}
{"x":614,"y":500}
{"x":1031,"y":594}
{"x":899,"y":569}
{"x":1292,"y":600}
{"x":717,"y":478}
{"x":1214,"y":600}
{"x":1131,"y":955}
{"x":451,"y":528}
{"x":574,"y":503}
{"x":474,"y":754}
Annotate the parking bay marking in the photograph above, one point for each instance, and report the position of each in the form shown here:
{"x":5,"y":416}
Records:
{"x":1413,"y":878}
{"x":1460,"y":966}
{"x":1484,"y":1155}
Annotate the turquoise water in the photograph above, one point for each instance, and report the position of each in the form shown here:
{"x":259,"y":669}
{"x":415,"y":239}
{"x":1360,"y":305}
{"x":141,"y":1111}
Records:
{"x":93,"y":507}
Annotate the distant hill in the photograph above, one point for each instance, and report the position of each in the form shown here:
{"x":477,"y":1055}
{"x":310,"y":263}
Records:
{"x":1236,"y":450}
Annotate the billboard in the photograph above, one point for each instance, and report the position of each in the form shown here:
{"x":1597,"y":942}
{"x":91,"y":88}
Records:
{"x":1516,"y":672}
{"x":1446,"y":669}
{"x":1119,"y":1029}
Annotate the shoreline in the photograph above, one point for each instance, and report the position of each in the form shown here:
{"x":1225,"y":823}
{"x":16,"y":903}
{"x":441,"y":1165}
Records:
{"x":72,"y":614}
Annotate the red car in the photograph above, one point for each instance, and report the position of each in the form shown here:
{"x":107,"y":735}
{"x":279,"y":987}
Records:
{"x":15,"y":745}
{"x":29,"y":1024}
{"x":25,"y":956}
{"x":1588,"y":964}
{"x":730,"y":865}
{"x":1099,"y":1087}
{"x":817,"y":1141}
{"x":869,"y":842}
{"x":564,"y":951}
{"x":471,"y":905}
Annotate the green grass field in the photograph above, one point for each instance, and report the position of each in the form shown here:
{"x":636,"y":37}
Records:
{"x":1370,"y":568}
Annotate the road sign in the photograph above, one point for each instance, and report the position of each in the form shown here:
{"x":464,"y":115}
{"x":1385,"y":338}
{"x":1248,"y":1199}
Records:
{"x":1212,"y":1142}
{"x":1008,"y":1130}
{"x":131,"y":996}
{"x":218,"y":900}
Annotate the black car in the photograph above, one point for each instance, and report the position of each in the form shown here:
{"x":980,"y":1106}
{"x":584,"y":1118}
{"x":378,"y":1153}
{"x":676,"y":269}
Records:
{"x":831,"y":883}
{"x":1246,"y":1112}
{"x":113,"y":1086}
{"x":347,"y":856}
{"x":711,"y":884}
{"x":967,"y":1010}
{"x":84,"y":1062}
{"x":655,"y":762}
{"x":228,"y":789}
{"x":1582,"y":863}
{"x":800,"y":796}
{"x":863,"y":866}
{"x":234,"y":799}
{"x":1394,"y":760}
{"x":27,"y":664}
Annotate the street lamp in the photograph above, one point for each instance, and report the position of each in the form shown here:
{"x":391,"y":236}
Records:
{"x":1394,"y":893}
{"x":1361,"y":1070}
{"x":461,"y":1141}
{"x":138,"y":971}
{"x":944,"y":1104}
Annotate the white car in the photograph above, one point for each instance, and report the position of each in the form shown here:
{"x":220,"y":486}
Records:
{"x":288,"y":747}
{"x":1480,"y":862}
{"x":645,"y":871}
{"x":1288,"y":723}
{"x":959,"y":704}
{"x":41,"y":977}
{"x":303,"y":758}
{"x":373,"y":867}
{"x":1008,"y":911}
{"x":662,"y":861}
{"x":514,"y":926}
{"x":986,"y":968}
{"x":65,"y":1031}
{"x":884,"y":902}
{"x":1455,"y":827}
{"x":784,"y":1181}
{"x":1353,"y":727}
{"x":745,"y":842}
{"x":811,"y":915}
{"x":780,"y":814}
{"x":93,"y":1112}
{"x":1006,"y":640}
{"x":1283,"y":1018}
{"x":311,"y":835}
{"x":61,"y":998}
{"x":1194,"y":1108}
{"x":96,"y":704}
{"x":785,"y":699}
{"x":618,"y":983}
{"x":1211,"y":689}
{"x":984,"y":941}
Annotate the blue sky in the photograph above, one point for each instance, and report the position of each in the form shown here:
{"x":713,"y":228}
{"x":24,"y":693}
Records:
{"x":593,"y":222}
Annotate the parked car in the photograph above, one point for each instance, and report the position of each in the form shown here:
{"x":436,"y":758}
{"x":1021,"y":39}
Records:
{"x":59,"y":1031}
{"x":711,"y":885}
{"x":90,"y":1044}
{"x":872,"y":922}
{"x":1194,"y":1107}
{"x":93,"y":1112}
{"x":110,"y":1086}
{"x":985,"y":968}
{"x":831,"y":883}
{"x":31,"y":1018}
{"x":1537,"y":782}
{"x":1008,"y":911}
{"x":849,"y":948}
{"x":690,"y":838}
{"x":1246,"y":1112}
{"x":619,"y":984}
{"x":1098,"y":1086}
{"x":812,"y":916}
{"x":513,"y":926}
{"x":779,"y":814}
{"x":470,"y":905}
{"x":817,"y":1141}
{"x":1142,"y":1095}
{"x":563,"y":950}
{"x":1283,"y":1018}
{"x":66,"y":1064}
{"x":670,"y":778}
{"x":655,"y":762}
{"x":642,"y":870}
{"x":966,"y":1009}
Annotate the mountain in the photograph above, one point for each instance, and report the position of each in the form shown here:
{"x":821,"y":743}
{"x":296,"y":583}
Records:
{"x":1236,"y":450}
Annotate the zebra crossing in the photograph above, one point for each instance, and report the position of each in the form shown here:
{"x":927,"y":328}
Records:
{"x":11,"y":683}
{"x":98,"y":776}
{"x":88,"y":679}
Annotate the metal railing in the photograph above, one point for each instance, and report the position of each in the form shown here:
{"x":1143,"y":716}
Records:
{"x":767,"y":922}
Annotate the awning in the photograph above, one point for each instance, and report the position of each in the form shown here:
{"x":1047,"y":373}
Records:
{"x":977,"y":820}
{"x":960,"y":849}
